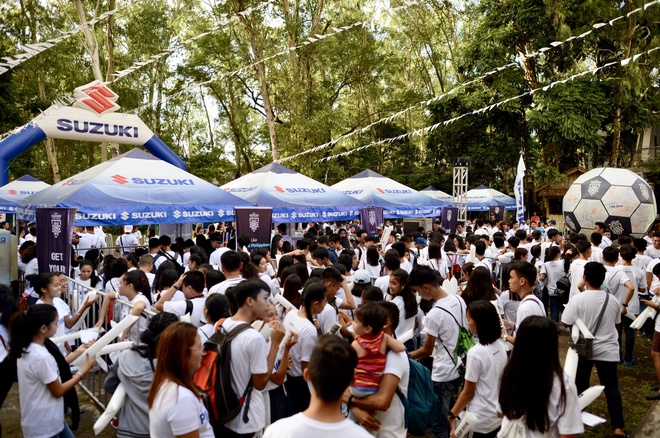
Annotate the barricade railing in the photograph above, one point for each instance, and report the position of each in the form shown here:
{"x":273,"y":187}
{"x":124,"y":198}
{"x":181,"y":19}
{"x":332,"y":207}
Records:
{"x":93,"y":383}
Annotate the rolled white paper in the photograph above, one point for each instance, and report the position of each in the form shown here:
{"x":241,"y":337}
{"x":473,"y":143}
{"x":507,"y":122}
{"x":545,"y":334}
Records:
{"x":454,"y":285}
{"x":641,"y":319}
{"x":102,"y":364}
{"x":119,"y":346}
{"x":72,"y":336}
{"x":106,"y":339}
{"x":185,"y":318}
{"x":114,"y":405}
{"x":466,"y":425}
{"x":407,"y":336}
{"x":284,"y":302}
{"x":589,"y":395}
{"x":584,"y":329}
{"x":571,"y":363}
{"x":88,"y":335}
{"x":575,"y":333}
{"x":262,"y":327}
{"x":629,"y":315}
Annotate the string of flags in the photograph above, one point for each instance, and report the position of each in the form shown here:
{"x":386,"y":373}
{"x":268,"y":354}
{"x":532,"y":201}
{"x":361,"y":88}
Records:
{"x":222,"y":23}
{"x":428,"y":129}
{"x":310,"y":40}
{"x":32,"y":50}
{"x":438,"y":98}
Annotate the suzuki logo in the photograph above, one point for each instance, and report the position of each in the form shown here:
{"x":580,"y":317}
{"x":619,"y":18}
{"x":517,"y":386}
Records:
{"x":96,"y":97}
{"x":279,"y":189}
{"x":381,"y":191}
{"x":124,"y":215}
{"x":12,"y":192}
{"x":176,"y":214}
{"x":119,"y":179}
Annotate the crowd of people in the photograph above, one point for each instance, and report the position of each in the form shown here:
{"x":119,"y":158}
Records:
{"x":324,"y":323}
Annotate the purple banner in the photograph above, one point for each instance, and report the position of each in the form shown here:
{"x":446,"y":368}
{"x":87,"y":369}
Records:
{"x":371,"y":217}
{"x":255,"y":224}
{"x":54,"y":232}
{"x":449,"y":218}
{"x":497,"y":212}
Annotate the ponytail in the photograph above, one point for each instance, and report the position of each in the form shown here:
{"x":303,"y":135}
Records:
{"x":8,"y":305}
{"x":41,"y":281}
{"x":25,"y":325}
{"x":313,"y":291}
{"x":140,"y":282}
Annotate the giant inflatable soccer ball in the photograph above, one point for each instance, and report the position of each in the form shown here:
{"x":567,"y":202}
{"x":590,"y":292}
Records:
{"x":618,"y":197}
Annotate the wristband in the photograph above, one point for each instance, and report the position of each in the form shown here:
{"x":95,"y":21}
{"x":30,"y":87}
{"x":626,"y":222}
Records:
{"x":79,"y":374}
{"x":624,"y":305}
{"x":451,"y":415}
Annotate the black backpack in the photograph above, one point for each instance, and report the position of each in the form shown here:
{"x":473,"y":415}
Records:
{"x":179,"y":268}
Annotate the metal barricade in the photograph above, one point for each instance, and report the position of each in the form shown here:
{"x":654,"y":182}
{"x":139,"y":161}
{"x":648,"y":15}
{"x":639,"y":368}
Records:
{"x":93,"y":382}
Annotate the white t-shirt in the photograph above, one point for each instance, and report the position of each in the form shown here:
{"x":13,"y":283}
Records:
{"x":301,"y":426}
{"x":587,"y":306}
{"x":307,"y":338}
{"x":529,"y":306}
{"x":565,"y":420}
{"x":141,"y":324}
{"x":205,"y":332}
{"x":652,"y":252}
{"x":221,"y":288}
{"x":439,"y":265}
{"x":63,"y":310}
{"x":638,"y":279}
{"x":509,"y":306}
{"x":32,"y":267}
{"x":249,"y":354}
{"x":576,"y":274}
{"x":171,"y":256}
{"x":485,"y":364}
{"x":383,"y":283}
{"x":179,"y":309}
{"x":406,"y":266}
{"x":405,"y":324}
{"x":615,"y":280}
{"x":596,"y":254}
{"x":42,"y":415}
{"x":128,"y":242}
{"x":554,"y":271}
{"x":442,"y":326}
{"x":177,"y":411}
{"x":641,"y":261}
{"x":392,"y":421}
{"x":214,"y":258}
{"x":328,"y":316}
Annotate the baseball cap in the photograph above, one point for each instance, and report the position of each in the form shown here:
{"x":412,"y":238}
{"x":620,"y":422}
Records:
{"x":420,"y":241}
{"x":128,"y":228}
{"x":361,"y":276}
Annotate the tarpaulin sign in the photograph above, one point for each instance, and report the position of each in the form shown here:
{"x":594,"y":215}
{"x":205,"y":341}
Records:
{"x":54,"y":232}
{"x":371,"y":217}
{"x":255,"y":224}
{"x":449,"y":218}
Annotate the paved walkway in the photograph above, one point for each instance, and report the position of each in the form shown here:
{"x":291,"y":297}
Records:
{"x":650,"y":425}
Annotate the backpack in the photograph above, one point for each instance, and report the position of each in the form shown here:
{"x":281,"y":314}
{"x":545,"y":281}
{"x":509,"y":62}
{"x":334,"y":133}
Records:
{"x":422,"y":404}
{"x":214,"y":377}
{"x":179,"y":268}
{"x":464,"y":342}
{"x":456,"y":270}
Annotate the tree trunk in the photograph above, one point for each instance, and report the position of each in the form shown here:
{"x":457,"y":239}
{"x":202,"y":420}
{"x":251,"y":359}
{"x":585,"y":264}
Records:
{"x":111,"y":65}
{"x":90,"y":42}
{"x":208,"y":118}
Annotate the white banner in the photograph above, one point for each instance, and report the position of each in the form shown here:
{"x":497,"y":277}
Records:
{"x":519,"y":191}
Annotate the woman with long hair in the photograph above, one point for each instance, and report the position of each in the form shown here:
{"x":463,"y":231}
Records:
{"x":291,"y":290}
{"x":175,"y":405}
{"x":88,"y":275}
{"x":132,"y":288}
{"x":31,"y":267}
{"x":134,"y":369}
{"x":401,"y":294}
{"x":39,"y":385}
{"x":372,"y":262}
{"x":302,"y":321}
{"x":535,"y":394}
{"x":551,"y":271}
{"x":8,"y":307}
{"x":479,"y":286}
{"x":436,"y":261}
{"x":276,"y":246}
{"x":484,"y":367}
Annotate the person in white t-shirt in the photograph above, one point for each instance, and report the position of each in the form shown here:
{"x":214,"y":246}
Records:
{"x":47,"y":285}
{"x":252,"y":359}
{"x":175,"y":406}
{"x":40,"y":389}
{"x":313,"y":301}
{"x":576,"y":272}
{"x":653,"y":251}
{"x":127,"y":242}
{"x":134,"y":288}
{"x":551,"y":271}
{"x":192,"y":286}
{"x":391,"y":264}
{"x":216,"y":307}
{"x":587,"y":306}
{"x":401,"y":294}
{"x":534,"y":390}
{"x":231,"y":268}
{"x":391,"y":420}
{"x":483,"y":371}
{"x":442,"y":324}
{"x":330,"y":372}
{"x":521,"y":281}
{"x":166,"y":253}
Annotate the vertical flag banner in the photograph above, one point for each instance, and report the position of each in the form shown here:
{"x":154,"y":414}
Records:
{"x":54,"y":232}
{"x":497,"y":211}
{"x":371,"y":217}
{"x":449,"y":218}
{"x":255,"y":224}
{"x":519,"y":190}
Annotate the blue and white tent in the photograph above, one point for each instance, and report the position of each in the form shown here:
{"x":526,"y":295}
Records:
{"x":437,"y":194}
{"x":483,"y":197}
{"x":18,"y":189}
{"x":135,"y":188}
{"x":396,"y":199}
{"x":294,"y":197}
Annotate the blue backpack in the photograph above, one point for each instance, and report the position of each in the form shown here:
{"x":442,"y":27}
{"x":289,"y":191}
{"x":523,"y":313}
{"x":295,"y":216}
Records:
{"x":422,"y":404}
